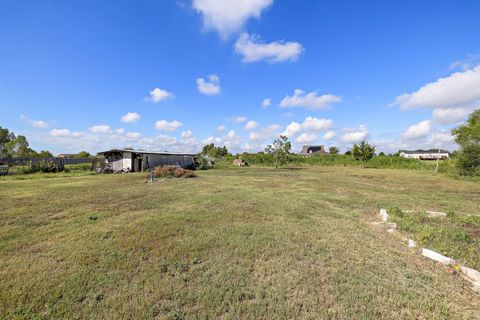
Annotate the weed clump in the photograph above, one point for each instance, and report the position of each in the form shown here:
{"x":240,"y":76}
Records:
{"x":395,"y":211}
{"x":173,"y":172}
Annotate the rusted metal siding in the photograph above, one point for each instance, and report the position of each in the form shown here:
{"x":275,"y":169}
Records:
{"x":157,"y":160}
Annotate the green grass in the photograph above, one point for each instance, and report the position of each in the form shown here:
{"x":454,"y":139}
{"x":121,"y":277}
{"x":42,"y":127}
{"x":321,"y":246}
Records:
{"x":249,"y":243}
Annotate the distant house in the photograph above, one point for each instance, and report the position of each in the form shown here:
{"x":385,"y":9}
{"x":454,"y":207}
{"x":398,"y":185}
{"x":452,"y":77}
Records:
{"x":431,"y":154}
{"x":309,"y":150}
{"x":64,"y":155}
{"x":240,"y":162}
{"x":136,"y":161}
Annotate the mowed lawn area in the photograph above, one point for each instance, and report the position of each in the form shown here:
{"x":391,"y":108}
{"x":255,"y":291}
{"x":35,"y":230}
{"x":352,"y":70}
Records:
{"x":235,"y":243}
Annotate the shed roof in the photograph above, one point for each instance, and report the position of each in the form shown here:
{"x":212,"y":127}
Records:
{"x":147,"y":152}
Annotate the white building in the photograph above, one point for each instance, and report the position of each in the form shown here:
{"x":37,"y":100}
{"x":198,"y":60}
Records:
{"x":432,"y":154}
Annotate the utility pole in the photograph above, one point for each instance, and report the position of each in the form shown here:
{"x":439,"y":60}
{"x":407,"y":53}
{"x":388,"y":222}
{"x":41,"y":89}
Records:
{"x":438,"y":158}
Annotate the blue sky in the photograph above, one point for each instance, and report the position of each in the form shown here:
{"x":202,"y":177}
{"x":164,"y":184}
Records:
{"x":174,"y":75}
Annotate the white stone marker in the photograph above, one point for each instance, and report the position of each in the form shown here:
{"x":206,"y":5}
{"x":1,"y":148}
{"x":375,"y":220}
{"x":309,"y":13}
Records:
{"x":435,"y":214}
{"x":384,"y":215}
{"x":412,"y":243}
{"x":437,"y":257}
{"x":472,"y":274}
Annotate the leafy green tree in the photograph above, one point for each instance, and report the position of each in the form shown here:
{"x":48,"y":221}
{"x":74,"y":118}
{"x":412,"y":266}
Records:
{"x":333,"y":150}
{"x":81,"y":155}
{"x":214,"y":152}
{"x":5,"y":137}
{"x":469,"y":132}
{"x":382,"y":154}
{"x":467,"y":137}
{"x":468,"y":161}
{"x":363,"y":151}
{"x":279,"y":149}
{"x":222,"y":152}
{"x":45,"y":154}
{"x":18,"y":147}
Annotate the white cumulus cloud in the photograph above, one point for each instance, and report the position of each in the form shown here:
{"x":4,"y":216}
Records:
{"x":264,"y":133}
{"x":209,"y":87}
{"x":133,"y":136}
{"x":309,"y":125}
{"x":165,"y":125}
{"x":418,"y":130}
{"x":229,"y":16}
{"x":102,"y":128}
{"x":157,"y":95}
{"x":457,"y":90}
{"x":64,"y":133}
{"x":130,"y":117}
{"x":186,"y":134}
{"x":471,"y":61}
{"x":307,"y":138}
{"x":450,"y":115}
{"x":266,"y":102}
{"x":252,"y":49}
{"x":221,"y":128}
{"x":34,"y":123}
{"x":329,"y":135}
{"x":309,"y":100}
{"x":239,"y":119}
{"x":354,"y":135}
{"x":293,"y":129}
{"x":316,"y":124}
{"x":251,"y":125}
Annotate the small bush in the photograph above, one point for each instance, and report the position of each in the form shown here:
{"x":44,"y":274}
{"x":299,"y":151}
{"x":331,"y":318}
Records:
{"x":461,"y":236}
{"x":469,"y":160}
{"x":173,"y":172}
{"x":395,"y":211}
{"x":203,"y":163}
{"x":26,"y":169}
{"x":47,"y":166}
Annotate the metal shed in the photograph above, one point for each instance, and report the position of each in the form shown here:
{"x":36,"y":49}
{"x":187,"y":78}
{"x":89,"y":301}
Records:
{"x":139,"y":160}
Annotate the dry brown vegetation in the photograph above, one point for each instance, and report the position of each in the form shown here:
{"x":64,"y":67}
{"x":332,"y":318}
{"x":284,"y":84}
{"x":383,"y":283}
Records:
{"x":173,"y":172}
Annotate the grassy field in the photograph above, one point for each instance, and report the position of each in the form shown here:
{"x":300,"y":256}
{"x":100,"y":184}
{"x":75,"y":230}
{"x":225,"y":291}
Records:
{"x":236,"y":243}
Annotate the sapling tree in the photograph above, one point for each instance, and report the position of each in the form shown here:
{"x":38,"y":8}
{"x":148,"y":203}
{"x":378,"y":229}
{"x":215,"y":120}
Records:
{"x":279,"y":149}
{"x":333,"y":150}
{"x":363,"y":152}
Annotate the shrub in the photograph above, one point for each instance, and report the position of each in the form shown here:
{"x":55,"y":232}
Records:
{"x":204,"y":163}
{"x":395,"y":211}
{"x":469,"y":160}
{"x":26,"y":169}
{"x":47,"y":166}
{"x":173,"y":172}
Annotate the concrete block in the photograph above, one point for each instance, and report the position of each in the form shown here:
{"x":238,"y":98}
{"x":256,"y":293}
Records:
{"x":435,"y":214}
{"x":384,"y":215}
{"x":412,"y":243}
{"x":437,"y":257}
{"x":390,"y":230}
{"x":476,"y":287}
{"x":471,"y":274}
